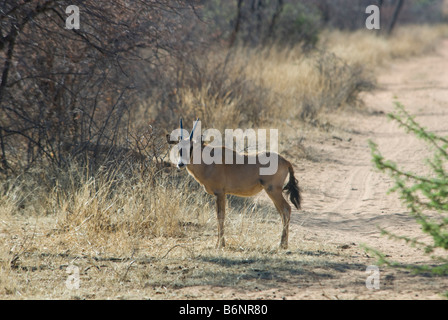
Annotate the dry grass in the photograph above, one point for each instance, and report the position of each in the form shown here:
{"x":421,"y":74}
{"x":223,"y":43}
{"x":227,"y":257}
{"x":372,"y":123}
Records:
{"x":305,"y":85}
{"x":90,"y":221}
{"x":127,"y":237}
{"x":150,"y":236}
{"x":365,"y":48}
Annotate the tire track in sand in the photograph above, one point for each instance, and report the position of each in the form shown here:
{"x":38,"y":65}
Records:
{"x":351,"y":195}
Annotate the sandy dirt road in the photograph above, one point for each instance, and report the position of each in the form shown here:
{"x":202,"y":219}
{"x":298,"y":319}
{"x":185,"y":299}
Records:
{"x":346,"y":198}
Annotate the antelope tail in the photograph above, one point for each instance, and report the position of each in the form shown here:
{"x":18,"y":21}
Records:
{"x":292,"y":188}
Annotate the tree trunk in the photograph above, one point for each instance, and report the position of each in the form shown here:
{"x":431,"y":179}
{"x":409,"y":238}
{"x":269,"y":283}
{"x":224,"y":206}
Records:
{"x":395,"y":16}
{"x":275,"y":16}
{"x":237,"y":24}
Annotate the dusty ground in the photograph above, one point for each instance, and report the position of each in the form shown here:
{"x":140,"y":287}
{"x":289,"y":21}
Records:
{"x":345,"y":201}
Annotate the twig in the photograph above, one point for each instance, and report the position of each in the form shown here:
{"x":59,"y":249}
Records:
{"x":127,"y":270}
{"x":176,"y":246}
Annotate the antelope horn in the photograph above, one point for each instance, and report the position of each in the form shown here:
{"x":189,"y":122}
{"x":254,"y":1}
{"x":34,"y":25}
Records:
{"x":194,"y":127}
{"x":181,"y":130}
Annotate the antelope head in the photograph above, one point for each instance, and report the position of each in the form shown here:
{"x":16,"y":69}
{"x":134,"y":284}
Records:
{"x":185,"y":144}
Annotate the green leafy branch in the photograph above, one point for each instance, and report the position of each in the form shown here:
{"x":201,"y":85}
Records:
{"x":420,"y":193}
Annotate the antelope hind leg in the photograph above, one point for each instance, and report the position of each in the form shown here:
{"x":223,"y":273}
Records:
{"x":284,"y":209}
{"x":221,"y":213}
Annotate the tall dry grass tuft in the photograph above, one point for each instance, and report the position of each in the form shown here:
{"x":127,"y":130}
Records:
{"x":112,"y":206}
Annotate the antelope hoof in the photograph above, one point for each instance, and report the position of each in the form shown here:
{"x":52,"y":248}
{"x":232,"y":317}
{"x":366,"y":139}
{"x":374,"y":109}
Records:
{"x":221,"y":243}
{"x":283,"y":245}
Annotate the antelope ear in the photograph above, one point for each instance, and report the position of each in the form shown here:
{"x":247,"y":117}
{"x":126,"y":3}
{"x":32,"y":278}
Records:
{"x":168,"y":139}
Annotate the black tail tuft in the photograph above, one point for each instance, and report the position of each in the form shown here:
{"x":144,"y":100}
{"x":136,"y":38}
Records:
{"x":292,"y":188}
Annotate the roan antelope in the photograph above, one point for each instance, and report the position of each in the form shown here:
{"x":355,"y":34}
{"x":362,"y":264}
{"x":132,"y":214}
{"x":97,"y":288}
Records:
{"x":242,"y":180}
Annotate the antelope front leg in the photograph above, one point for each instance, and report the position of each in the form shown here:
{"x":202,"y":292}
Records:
{"x":221,"y":212}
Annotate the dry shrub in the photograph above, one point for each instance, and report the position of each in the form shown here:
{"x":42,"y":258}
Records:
{"x":341,"y":82}
{"x":301,"y":85}
{"x":211,"y":86}
{"x":215,"y":110}
{"x":262,"y":86}
{"x":250,"y":87}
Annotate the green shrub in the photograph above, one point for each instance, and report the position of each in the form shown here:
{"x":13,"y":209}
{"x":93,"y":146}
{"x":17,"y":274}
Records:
{"x":426,"y":196}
